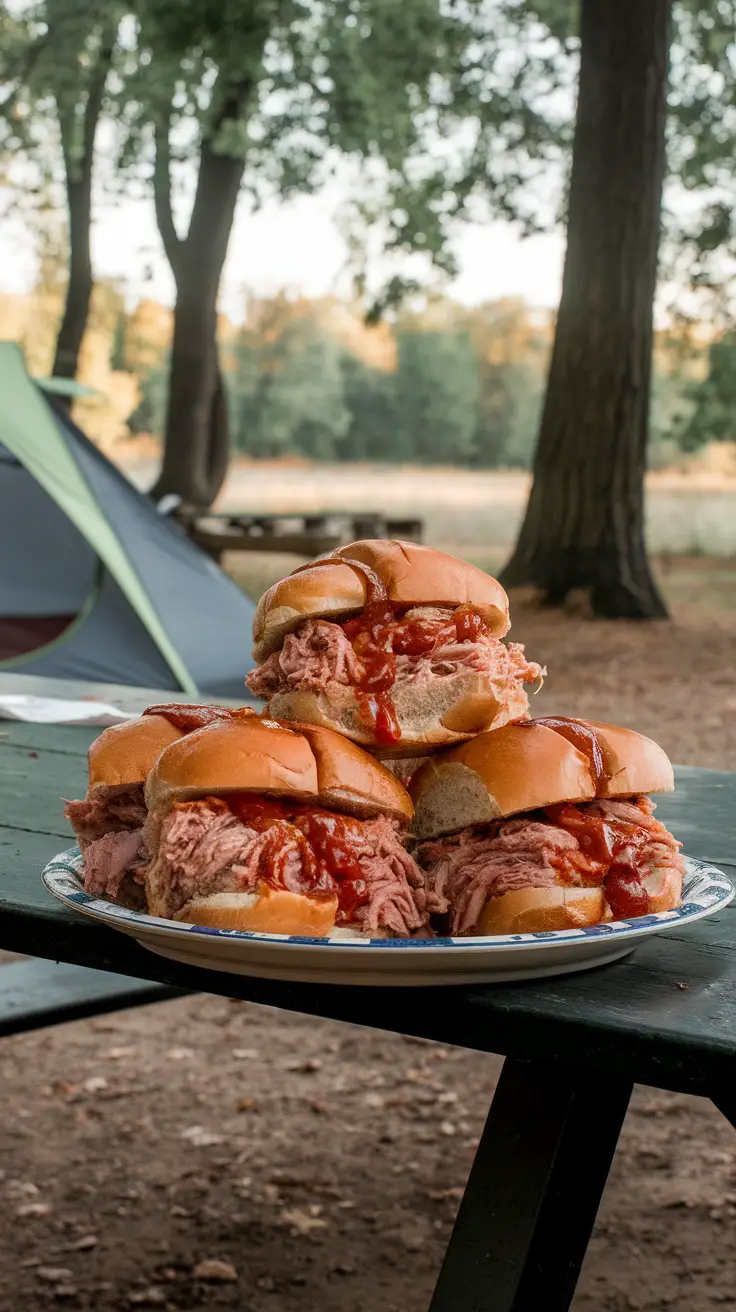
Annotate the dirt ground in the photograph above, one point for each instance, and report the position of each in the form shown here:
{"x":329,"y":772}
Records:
{"x":203,"y":1154}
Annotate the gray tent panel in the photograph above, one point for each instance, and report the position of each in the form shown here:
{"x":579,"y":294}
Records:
{"x":116,"y":592}
{"x":107,"y":644}
{"x":48,"y":568}
{"x":207,"y":618}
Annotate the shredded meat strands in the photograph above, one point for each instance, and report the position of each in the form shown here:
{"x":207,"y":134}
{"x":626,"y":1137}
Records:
{"x":319,"y":653}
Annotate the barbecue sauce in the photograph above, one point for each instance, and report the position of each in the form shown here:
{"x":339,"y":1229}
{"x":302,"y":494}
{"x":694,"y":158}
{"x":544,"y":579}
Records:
{"x":325,"y":841}
{"x":581,"y":735}
{"x":187,"y":718}
{"x":378,"y":635}
{"x":610,"y":850}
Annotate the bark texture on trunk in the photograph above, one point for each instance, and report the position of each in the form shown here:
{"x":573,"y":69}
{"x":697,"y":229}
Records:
{"x":584,"y":524}
{"x":196,"y":450}
{"x":78,"y":166}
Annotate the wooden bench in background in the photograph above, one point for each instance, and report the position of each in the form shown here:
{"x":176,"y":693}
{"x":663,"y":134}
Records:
{"x":294,"y":534}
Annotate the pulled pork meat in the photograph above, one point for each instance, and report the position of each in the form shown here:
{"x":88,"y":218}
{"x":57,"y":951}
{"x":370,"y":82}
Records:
{"x":106,"y":810}
{"x":319,"y":653}
{"x":545,"y":849}
{"x":108,"y":824}
{"x":205,"y":847}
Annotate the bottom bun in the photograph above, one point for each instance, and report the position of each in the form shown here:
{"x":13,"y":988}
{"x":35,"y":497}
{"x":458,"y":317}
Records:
{"x":664,"y":887}
{"x":536,"y":910}
{"x":269,"y":911}
{"x":440,"y":713}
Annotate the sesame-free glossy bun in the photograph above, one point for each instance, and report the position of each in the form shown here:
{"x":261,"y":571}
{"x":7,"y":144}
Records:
{"x":533,"y":764}
{"x":538,"y":910}
{"x":258,"y":755}
{"x":125,"y":754}
{"x":342,"y":583}
{"x":267,"y":911}
{"x":437,"y":715}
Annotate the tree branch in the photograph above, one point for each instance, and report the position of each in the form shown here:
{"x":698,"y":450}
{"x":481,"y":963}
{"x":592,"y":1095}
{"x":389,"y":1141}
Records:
{"x":162,"y":197}
{"x":96,"y":92}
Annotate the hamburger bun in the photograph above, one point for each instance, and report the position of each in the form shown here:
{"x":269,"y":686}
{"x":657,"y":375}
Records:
{"x":267,"y":911}
{"x":124,"y":754}
{"x":257,"y":755}
{"x":538,"y":910}
{"x":532,"y":764}
{"x":440,"y":715}
{"x":342,"y":583}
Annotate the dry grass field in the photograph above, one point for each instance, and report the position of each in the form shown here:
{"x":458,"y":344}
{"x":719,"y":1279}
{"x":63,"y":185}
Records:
{"x":690,"y":513}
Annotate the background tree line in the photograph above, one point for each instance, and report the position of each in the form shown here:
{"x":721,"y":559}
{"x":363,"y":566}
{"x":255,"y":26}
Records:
{"x":445,"y":384}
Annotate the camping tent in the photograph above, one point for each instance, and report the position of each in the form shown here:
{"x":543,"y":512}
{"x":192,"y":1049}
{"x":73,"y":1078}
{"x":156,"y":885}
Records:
{"x":95,"y":584}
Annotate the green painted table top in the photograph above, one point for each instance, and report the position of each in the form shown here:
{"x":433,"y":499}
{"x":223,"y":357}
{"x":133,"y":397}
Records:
{"x":666,"y":1015}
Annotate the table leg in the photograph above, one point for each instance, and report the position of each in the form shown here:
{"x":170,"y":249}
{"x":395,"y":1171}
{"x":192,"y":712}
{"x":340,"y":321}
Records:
{"x":531,"y":1200}
{"x":725,"y":1101}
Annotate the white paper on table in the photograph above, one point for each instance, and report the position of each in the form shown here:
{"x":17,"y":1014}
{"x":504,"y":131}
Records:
{"x":55,"y":710}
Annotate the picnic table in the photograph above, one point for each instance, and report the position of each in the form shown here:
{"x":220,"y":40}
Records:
{"x":574,"y":1046}
{"x":292,"y":532}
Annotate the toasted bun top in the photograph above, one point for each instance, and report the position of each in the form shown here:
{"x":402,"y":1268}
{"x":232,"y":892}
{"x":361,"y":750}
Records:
{"x":256,"y":755}
{"x":126,"y":753}
{"x":345,"y":581}
{"x":531,"y":764}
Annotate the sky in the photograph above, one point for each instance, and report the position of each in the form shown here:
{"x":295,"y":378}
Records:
{"x":295,"y":246}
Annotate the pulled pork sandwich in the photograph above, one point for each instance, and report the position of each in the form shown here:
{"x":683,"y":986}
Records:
{"x":395,"y":645}
{"x":256,"y":825}
{"x":108,"y":822}
{"x":545,"y":825}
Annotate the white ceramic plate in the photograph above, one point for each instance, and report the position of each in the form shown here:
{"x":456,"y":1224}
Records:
{"x":491,"y":959}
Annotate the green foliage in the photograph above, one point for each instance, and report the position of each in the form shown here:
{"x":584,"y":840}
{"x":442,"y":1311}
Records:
{"x":712,"y":416}
{"x":150,"y":413}
{"x":465,"y":386}
{"x":436,"y":391}
{"x":287,"y":387}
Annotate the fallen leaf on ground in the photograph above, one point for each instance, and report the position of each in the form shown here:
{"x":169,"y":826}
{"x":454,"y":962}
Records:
{"x":304,"y":1067}
{"x":85,"y":1243}
{"x":212,"y":1268}
{"x":201,"y":1138}
{"x":302,"y":1222}
{"x":95,"y":1084}
{"x":152,"y":1297}
{"x":33,"y":1210}
{"x":53,"y":1274}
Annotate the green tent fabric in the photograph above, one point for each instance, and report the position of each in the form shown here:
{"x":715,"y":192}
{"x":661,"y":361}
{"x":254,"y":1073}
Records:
{"x":144,"y":566}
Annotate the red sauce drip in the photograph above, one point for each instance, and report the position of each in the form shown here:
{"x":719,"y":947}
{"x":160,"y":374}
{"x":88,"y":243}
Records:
{"x":187,"y":718}
{"x":625,"y":893}
{"x":378,"y":635}
{"x":581,"y":735}
{"x":603,"y":844}
{"x":328,"y":863}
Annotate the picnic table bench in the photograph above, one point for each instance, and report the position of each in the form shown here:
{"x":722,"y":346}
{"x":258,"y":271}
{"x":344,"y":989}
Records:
{"x":291,"y":532}
{"x":574,"y":1045}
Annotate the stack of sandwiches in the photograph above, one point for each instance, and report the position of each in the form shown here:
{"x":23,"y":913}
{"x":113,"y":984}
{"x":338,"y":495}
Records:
{"x":395,"y":784}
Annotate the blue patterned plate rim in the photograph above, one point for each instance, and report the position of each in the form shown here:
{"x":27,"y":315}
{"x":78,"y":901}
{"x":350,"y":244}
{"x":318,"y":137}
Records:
{"x":706,"y":889}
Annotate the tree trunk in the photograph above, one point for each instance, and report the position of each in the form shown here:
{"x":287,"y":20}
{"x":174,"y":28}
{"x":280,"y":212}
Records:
{"x":584,"y":524}
{"x":196,"y":451}
{"x":79,"y":287}
{"x":79,"y":202}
